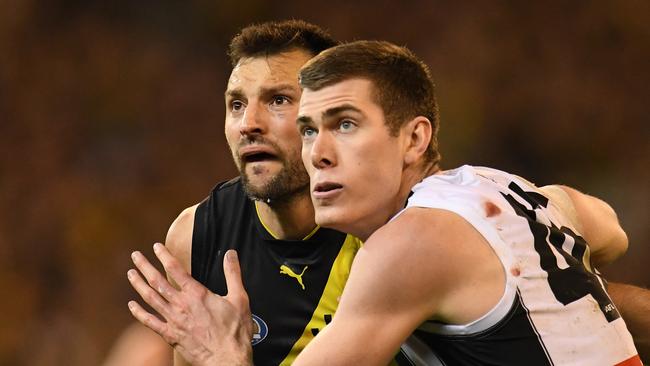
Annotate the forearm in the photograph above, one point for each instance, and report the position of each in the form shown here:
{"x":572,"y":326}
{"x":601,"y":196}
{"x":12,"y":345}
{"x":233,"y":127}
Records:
{"x":634,"y":305}
{"x":179,"y":360}
{"x":601,"y":227}
{"x":238,"y":359}
{"x":594,"y":219}
{"x":351,"y":346}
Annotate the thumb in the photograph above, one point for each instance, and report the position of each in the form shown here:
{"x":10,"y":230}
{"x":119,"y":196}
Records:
{"x":236,"y":292}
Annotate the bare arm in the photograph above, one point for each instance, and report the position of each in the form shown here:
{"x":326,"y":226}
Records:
{"x":179,"y":244}
{"x":595,"y":220}
{"x":179,"y":238}
{"x":139,"y":346}
{"x":634,"y":304}
{"x":412,"y":269}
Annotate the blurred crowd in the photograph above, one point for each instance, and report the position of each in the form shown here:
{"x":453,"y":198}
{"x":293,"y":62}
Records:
{"x":111,"y":119}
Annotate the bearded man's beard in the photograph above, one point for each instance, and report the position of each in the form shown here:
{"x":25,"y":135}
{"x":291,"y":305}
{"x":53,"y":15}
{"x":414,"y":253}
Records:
{"x":289,"y":182}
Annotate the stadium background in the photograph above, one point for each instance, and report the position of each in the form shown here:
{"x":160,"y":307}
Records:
{"x":111,"y":122}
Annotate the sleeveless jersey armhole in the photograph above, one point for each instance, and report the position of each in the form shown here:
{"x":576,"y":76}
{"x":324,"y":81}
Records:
{"x":199,"y":256}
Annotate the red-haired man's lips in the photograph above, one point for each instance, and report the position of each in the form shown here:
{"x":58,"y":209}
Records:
{"x":325,"y":190}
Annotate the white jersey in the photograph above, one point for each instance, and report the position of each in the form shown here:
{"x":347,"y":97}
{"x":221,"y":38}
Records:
{"x":554,"y":311}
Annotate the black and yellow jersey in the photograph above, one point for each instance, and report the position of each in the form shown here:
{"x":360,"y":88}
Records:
{"x":293,"y":285}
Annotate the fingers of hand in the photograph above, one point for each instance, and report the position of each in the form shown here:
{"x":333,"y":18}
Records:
{"x":236,"y":292}
{"x":172,"y":266}
{"x":149,"y":295}
{"x":152,"y":322}
{"x":155,"y":279}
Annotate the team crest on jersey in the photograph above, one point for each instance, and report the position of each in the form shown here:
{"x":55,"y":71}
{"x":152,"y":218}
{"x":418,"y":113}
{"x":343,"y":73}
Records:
{"x":260,"y":330}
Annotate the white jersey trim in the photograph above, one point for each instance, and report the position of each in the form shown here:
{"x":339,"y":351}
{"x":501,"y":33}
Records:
{"x":418,"y":353}
{"x":487,"y":321}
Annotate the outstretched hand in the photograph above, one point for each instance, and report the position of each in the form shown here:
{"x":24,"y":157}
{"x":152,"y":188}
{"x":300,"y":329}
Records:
{"x":205,"y":328}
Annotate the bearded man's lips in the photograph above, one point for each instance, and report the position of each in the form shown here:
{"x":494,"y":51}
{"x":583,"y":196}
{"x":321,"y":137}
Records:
{"x":254,"y":158}
{"x":257,"y":153}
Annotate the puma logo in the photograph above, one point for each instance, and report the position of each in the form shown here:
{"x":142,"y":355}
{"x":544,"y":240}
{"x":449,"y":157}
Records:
{"x":289,"y":272}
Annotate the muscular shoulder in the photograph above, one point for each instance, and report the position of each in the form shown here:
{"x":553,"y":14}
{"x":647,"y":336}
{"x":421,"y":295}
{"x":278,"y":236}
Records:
{"x":412,"y":269}
{"x":427,"y":231}
{"x":179,"y":237}
{"x":414,"y":251}
{"x":438,"y":253}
